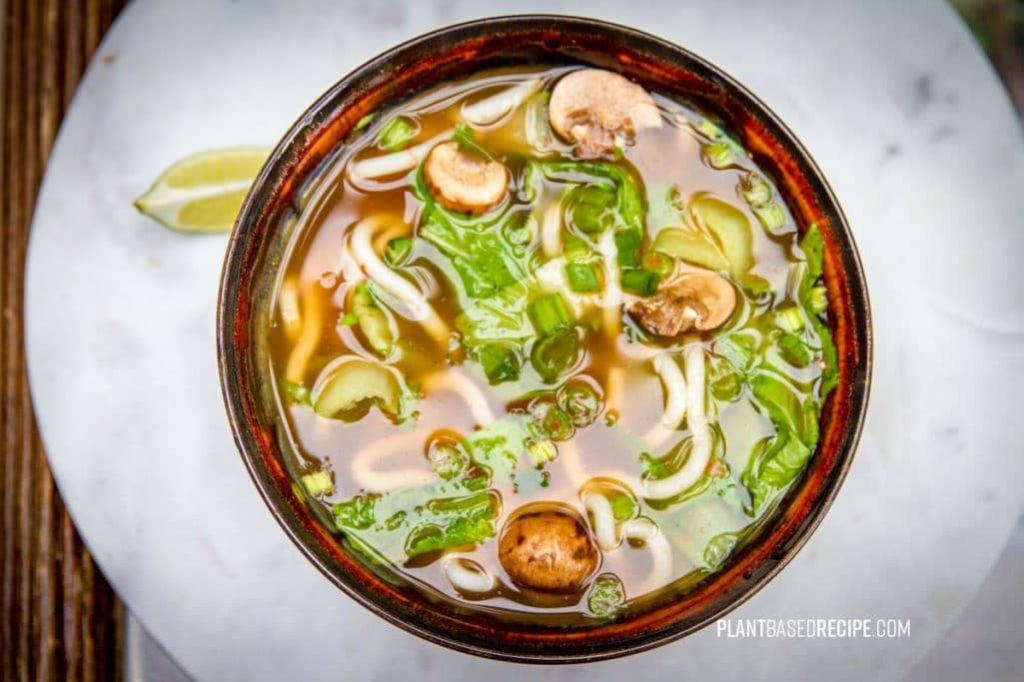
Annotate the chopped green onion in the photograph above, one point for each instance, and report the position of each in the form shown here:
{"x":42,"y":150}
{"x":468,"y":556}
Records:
{"x":624,"y":507}
{"x":373,"y":323}
{"x":581,"y":402}
{"x":363,"y":122}
{"x":640,"y":282}
{"x":397,"y":251}
{"x":553,"y":355}
{"x":817,"y":300}
{"x":318,"y":483}
{"x":771,"y":216}
{"x":446,"y":460}
{"x":718,"y":154}
{"x":542,"y":452}
{"x":709,"y":129}
{"x":576,"y":248}
{"x":628,"y":244}
{"x":297,"y":392}
{"x":583,"y":277}
{"x":789,"y":318}
{"x":549,"y":314}
{"x":397,"y":133}
{"x":793,"y":350}
{"x":755,"y":190}
{"x":607,"y":597}
{"x":658,"y":262}
{"x":551,"y":421}
{"x":592,"y":208}
{"x":500,"y":363}
{"x":348,"y":320}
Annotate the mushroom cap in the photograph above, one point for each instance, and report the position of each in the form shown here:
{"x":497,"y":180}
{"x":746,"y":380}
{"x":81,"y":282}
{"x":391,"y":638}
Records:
{"x":694,"y":299}
{"x":547,"y":547}
{"x":595,"y":108}
{"x":463,"y":181}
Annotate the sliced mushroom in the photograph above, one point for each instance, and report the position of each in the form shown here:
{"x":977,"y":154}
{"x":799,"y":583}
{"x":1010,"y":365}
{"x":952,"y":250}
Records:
{"x":600,"y":110}
{"x":463,"y":181}
{"x":694,"y":299}
{"x":547,"y":549}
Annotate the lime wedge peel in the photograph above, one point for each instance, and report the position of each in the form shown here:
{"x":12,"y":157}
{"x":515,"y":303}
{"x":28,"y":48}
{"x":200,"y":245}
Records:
{"x":203,"y":193}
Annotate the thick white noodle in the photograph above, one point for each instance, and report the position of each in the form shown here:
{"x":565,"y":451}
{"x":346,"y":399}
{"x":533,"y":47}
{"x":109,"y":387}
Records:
{"x":468,"y":576}
{"x":551,"y":230}
{"x":388,"y":478}
{"x":388,"y":280}
{"x":700,"y":453}
{"x":612,"y":303}
{"x":288,"y":303}
{"x":650,"y":534}
{"x":309,"y":334}
{"x":489,"y":110}
{"x":603,"y":520}
{"x":463,"y":386}
{"x":395,"y":162}
{"x":674,"y":385}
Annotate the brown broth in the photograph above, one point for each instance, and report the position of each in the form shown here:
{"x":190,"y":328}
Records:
{"x":671,"y":156}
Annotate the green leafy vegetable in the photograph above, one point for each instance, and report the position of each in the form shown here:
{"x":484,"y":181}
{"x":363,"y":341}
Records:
{"x":397,"y":133}
{"x":466,"y":140}
{"x":397,"y":526}
{"x":719,"y":548}
{"x":591,"y":208}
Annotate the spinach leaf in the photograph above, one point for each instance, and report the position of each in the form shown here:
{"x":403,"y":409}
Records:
{"x":394,"y":527}
{"x":775,"y":462}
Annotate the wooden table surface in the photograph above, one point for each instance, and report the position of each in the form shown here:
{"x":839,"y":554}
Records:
{"x":59,"y":619}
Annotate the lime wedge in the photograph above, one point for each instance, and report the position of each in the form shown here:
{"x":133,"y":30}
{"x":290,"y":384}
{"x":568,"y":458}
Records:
{"x":203,"y":192}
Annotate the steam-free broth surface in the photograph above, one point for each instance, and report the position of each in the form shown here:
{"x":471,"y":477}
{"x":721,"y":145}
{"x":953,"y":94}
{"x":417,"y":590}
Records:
{"x":548,"y":345}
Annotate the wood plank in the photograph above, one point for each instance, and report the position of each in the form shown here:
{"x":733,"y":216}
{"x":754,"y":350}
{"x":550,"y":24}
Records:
{"x":59,"y":619}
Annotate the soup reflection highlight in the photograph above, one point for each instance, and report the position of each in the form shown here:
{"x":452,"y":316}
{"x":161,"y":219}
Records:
{"x":548,"y":345}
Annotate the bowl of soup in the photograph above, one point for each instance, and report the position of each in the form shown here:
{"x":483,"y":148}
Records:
{"x":544,"y":339}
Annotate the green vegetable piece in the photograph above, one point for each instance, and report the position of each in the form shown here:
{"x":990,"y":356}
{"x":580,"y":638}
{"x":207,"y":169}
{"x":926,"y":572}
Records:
{"x":628,"y":243}
{"x":348,"y":320}
{"x":447,"y":460}
{"x":318,"y":483}
{"x":397,"y":133}
{"x":348,"y":389}
{"x":581,"y":402}
{"x":553,"y":355}
{"x":771,"y":216}
{"x":372,"y":321}
{"x":692,"y":247}
{"x":640,"y":282}
{"x":549,"y":313}
{"x":591,"y":208}
{"x":813,"y":246}
{"x":576,"y":248}
{"x":730,"y":229}
{"x":467,"y":141}
{"x":793,"y":350}
{"x":584,"y":278}
{"x":755,"y":190}
{"x":499,"y":362}
{"x":830,"y":372}
{"x":817,"y":300}
{"x":356,"y":513}
{"x":781,"y":403}
{"x":397,"y":251}
{"x":297,"y":392}
{"x":542,"y":452}
{"x":658,"y":262}
{"x":718,"y":154}
{"x":607,"y":597}
{"x":551,"y":421}
{"x":624,"y":507}
{"x":789,"y":318}
{"x":719,"y":548}
{"x":473,"y":523}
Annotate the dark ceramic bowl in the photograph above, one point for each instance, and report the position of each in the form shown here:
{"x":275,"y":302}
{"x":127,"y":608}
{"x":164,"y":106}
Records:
{"x":257,"y":247}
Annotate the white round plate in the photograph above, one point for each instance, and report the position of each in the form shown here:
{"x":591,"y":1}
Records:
{"x":894,"y":100}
